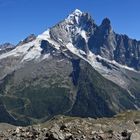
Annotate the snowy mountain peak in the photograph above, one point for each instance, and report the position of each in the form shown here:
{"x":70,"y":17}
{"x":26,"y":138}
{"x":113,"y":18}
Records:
{"x":74,"y":17}
{"x":80,"y":30}
{"x":77,"y":12}
{"x":71,"y":28}
{"x":79,"y":34}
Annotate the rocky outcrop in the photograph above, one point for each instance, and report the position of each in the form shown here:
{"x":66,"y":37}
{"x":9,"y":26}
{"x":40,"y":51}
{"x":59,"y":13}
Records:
{"x":27,"y":39}
{"x":121,"y":48}
{"x":127,"y":51}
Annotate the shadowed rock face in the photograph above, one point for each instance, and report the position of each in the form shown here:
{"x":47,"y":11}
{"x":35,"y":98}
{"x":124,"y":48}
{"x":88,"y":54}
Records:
{"x":112,"y":46}
{"x":127,"y":51}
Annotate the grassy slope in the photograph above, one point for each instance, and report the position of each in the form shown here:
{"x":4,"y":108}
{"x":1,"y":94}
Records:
{"x":99,"y":97}
{"x":39,"y":91}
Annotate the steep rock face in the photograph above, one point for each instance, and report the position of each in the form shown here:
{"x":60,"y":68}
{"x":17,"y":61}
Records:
{"x":121,"y":48}
{"x":127,"y":51}
{"x":80,"y":30}
{"x":103,"y":41}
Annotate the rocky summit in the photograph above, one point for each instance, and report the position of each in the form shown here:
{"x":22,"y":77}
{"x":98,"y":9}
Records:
{"x":125,"y":126}
{"x":75,"y":68}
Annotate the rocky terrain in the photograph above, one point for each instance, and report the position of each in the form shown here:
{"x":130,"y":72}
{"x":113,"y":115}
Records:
{"x":125,"y":126}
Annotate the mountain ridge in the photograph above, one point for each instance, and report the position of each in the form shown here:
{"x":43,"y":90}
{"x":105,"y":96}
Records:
{"x":68,"y":69}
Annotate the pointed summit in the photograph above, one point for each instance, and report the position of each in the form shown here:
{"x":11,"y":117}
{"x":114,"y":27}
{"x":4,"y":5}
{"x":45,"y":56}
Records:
{"x":106,"y":25}
{"x":77,"y":12}
{"x":75,"y":15}
{"x":76,"y":24}
{"x":106,"y":22}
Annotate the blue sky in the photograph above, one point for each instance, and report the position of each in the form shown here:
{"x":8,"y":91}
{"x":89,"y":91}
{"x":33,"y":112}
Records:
{"x":19,"y":18}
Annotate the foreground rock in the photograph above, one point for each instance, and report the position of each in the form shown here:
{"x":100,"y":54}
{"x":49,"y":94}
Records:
{"x":121,"y":127}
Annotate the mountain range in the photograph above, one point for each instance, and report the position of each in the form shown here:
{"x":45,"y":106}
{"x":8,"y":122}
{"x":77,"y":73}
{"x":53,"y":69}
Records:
{"x":75,"y":68}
